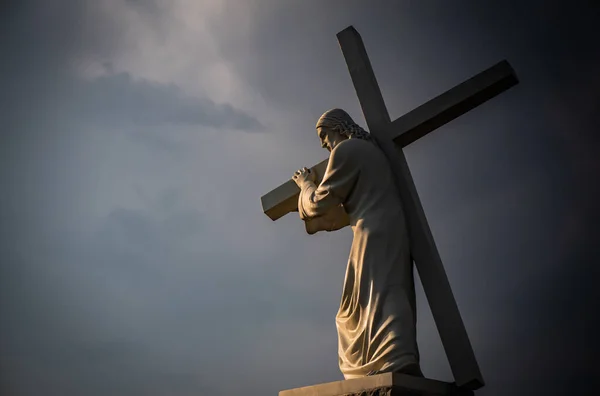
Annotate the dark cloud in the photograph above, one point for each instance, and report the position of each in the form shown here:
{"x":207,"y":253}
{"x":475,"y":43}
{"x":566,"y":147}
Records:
{"x":76,"y":317}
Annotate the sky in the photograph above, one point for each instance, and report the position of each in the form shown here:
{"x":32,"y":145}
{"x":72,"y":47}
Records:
{"x":137,"y":138}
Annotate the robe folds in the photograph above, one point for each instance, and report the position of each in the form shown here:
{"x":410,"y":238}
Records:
{"x":376,"y":321}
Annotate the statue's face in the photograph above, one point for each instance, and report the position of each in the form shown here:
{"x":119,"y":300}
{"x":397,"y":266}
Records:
{"x":328,"y":137}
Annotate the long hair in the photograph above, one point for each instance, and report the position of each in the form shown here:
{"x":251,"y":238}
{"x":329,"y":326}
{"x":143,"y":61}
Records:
{"x":341,"y":122}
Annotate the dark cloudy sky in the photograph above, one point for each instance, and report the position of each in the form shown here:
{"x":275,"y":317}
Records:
{"x":138,"y":136}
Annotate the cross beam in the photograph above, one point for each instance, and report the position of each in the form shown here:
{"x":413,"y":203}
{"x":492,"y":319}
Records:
{"x":392,"y":137}
{"x":412,"y":126}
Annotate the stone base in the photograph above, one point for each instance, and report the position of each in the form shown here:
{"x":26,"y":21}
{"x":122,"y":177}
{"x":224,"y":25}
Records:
{"x":387,"y":384}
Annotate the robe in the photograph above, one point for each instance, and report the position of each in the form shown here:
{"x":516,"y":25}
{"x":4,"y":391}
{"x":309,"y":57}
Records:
{"x":376,"y":321}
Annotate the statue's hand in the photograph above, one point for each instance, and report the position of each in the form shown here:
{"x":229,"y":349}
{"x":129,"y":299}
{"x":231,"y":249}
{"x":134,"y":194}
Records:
{"x":303,"y":176}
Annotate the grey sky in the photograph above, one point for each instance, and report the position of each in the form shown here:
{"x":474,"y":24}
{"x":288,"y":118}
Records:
{"x":138,"y":137}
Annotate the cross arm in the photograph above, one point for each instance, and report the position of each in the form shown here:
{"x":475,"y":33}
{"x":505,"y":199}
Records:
{"x":412,"y":126}
{"x":453,"y":103}
{"x":284,"y":199}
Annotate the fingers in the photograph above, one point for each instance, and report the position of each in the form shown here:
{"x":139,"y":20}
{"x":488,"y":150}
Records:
{"x":301,"y":172}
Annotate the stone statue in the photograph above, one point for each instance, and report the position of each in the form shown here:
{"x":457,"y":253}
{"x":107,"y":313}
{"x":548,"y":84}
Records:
{"x":376,"y":321}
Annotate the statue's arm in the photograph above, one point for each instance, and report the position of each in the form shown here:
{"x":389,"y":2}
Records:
{"x":340,"y":178}
{"x":333,"y":220}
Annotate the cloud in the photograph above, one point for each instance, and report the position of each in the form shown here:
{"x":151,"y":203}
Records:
{"x":101,"y":367}
{"x":116,"y":100}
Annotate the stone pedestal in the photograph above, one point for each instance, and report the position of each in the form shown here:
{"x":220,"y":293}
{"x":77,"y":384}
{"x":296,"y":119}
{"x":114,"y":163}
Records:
{"x":387,"y":384}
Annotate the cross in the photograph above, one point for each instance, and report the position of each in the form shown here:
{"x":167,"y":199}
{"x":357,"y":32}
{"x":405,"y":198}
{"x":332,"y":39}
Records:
{"x":392,"y":137}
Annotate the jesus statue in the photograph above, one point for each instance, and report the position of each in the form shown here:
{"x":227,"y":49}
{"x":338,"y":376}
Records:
{"x":376,"y":321}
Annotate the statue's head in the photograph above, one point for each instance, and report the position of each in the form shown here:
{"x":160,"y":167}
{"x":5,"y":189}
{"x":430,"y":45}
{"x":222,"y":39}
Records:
{"x":335,"y":126}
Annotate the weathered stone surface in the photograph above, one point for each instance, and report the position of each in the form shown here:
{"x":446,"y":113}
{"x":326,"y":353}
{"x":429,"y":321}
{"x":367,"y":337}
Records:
{"x":387,"y":384}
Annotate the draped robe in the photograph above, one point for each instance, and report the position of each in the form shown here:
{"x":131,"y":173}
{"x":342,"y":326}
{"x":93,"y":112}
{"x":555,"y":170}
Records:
{"x":376,"y":321}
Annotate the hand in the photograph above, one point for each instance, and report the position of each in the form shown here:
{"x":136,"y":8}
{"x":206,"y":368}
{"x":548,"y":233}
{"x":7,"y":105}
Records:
{"x":303,"y":176}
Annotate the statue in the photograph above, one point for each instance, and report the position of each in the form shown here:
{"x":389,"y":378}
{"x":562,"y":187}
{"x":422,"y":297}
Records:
{"x":367,"y":184}
{"x":376,"y":321}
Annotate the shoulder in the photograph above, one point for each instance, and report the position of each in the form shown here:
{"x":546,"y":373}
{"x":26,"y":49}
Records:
{"x":350,"y":146}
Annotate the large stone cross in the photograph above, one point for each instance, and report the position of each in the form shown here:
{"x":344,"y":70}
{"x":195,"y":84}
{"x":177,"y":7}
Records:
{"x":392,"y":136}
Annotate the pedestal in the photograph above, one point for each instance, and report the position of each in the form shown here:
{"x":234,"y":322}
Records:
{"x":387,"y":384}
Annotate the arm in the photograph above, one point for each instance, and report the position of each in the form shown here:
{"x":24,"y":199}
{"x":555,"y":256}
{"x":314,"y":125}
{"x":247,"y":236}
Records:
{"x":339,"y":180}
{"x":335,"y":219}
